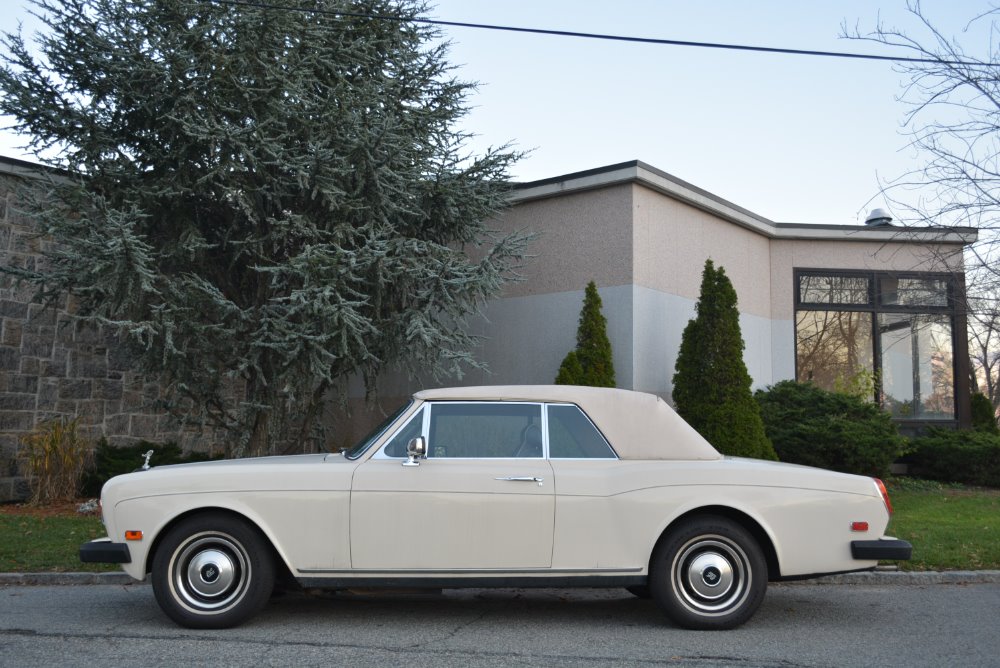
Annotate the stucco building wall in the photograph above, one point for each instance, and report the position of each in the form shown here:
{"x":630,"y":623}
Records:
{"x":588,"y":233}
{"x":672,"y":240}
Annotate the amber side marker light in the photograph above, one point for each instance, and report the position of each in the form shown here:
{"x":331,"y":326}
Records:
{"x":133,"y":535}
{"x":885,"y":495}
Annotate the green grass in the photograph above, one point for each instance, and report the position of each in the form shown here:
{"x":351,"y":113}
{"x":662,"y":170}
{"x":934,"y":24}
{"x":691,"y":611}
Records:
{"x":33,"y":544}
{"x":950,"y":527}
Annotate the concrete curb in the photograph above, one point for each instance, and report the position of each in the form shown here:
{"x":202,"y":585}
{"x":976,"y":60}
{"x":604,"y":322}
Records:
{"x":881,"y":578}
{"x":878,"y":578}
{"x":26,"y":579}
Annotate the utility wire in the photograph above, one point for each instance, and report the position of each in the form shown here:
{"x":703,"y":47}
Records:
{"x":614,"y":38}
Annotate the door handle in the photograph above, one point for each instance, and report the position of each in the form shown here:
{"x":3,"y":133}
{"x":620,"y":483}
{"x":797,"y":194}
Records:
{"x":522,"y":478}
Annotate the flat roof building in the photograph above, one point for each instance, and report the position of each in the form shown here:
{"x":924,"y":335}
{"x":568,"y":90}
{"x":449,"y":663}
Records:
{"x":824,"y":303}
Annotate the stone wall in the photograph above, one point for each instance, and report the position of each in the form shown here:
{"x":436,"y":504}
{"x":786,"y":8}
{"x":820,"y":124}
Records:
{"x":53,"y":366}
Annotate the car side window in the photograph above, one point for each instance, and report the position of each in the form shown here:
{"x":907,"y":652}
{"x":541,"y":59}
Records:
{"x":573,"y":436}
{"x":396,"y":447}
{"x":485,"y":429}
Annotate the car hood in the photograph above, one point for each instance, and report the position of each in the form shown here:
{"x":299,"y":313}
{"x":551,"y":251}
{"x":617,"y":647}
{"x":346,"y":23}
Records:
{"x":295,"y":472}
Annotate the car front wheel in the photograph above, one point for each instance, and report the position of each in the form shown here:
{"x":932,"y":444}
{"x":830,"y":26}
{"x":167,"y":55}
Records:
{"x":212,"y":571}
{"x":708,"y":573}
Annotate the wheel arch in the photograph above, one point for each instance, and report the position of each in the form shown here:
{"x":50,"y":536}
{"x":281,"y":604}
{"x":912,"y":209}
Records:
{"x":748,"y":522}
{"x":278,"y":558}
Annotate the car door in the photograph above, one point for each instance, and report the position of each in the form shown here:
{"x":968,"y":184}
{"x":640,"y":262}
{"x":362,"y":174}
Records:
{"x":595,"y":513}
{"x":481,"y":500}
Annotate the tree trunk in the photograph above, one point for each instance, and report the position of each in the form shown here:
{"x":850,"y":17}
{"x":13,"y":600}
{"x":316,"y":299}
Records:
{"x":259,"y":444}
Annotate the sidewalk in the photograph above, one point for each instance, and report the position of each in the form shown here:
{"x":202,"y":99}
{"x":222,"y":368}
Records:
{"x":878,"y":577}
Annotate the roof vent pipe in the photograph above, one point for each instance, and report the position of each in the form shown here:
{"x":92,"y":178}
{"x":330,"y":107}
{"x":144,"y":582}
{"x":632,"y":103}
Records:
{"x":878,"y":218}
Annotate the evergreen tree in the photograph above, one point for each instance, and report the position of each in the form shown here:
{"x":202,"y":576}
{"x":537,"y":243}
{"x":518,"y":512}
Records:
{"x":591,"y":362}
{"x":570,"y":371}
{"x":711,"y":384}
{"x":258,"y":198}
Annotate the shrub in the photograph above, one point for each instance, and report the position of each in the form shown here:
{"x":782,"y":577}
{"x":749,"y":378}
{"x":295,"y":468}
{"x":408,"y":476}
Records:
{"x":54,"y":457}
{"x":829,"y":430}
{"x":570,"y":371}
{"x":711,"y":386}
{"x":983,"y":416}
{"x":110,"y":461}
{"x":590,"y":363}
{"x":968,"y":457}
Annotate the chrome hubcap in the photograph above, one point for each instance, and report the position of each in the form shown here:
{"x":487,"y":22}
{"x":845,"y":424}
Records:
{"x":209,"y":573}
{"x":711,"y":574}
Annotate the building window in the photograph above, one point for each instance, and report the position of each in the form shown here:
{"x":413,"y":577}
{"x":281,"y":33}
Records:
{"x":833,"y":347}
{"x":891,"y":333}
{"x":918,"y":373}
{"x":819,"y":289}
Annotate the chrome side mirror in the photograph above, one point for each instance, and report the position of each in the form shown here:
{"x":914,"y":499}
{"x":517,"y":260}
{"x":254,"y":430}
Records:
{"x":415,"y":449}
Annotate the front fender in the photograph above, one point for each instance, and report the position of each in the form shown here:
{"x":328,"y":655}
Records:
{"x":307,"y":529}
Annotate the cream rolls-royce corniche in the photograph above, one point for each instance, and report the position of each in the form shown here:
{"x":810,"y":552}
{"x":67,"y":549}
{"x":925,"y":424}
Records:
{"x":514,"y":486}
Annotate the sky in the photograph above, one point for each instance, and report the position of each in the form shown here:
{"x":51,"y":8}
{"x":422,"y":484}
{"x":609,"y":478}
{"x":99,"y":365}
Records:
{"x":792,"y":138}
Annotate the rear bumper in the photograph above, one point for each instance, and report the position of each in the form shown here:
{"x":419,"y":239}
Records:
{"x":103,"y":551}
{"x":884,"y":548}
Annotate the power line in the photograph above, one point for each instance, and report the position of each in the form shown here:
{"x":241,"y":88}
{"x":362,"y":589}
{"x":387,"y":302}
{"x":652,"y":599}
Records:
{"x":601,"y":36}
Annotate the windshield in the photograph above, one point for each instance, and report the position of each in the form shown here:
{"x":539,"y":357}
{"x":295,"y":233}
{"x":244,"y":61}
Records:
{"x":375,"y":433}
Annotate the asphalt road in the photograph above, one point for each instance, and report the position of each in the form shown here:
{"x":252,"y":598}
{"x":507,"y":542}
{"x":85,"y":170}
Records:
{"x":798,"y":625}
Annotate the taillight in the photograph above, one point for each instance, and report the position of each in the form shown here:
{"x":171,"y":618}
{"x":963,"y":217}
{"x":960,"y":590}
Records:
{"x":885,"y":495}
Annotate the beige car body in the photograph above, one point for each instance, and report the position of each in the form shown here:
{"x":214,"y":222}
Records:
{"x":335,"y":521}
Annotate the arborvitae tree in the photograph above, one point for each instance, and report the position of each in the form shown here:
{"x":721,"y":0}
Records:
{"x":711,"y":384}
{"x":570,"y":371}
{"x":256,"y":197}
{"x":591,"y":362}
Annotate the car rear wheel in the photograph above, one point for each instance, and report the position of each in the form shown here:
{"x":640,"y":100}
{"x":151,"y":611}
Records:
{"x":708,"y":573}
{"x":212,"y":571}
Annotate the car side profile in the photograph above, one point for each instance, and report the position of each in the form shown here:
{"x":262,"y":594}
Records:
{"x":512,"y":486}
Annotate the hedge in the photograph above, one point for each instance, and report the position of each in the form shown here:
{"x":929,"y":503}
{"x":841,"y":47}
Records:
{"x":830,"y":430}
{"x":968,"y":457}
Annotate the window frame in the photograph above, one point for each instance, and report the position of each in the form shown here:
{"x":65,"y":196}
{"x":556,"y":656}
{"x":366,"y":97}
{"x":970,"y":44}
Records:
{"x":955,"y":291}
{"x":833,"y":306}
{"x":548,"y":453}
{"x":378,"y":432}
{"x":381,"y":454}
{"x":424,"y":411}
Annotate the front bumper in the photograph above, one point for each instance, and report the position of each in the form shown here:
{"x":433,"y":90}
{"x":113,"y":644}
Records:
{"x":884,"y":548}
{"x":103,"y":551}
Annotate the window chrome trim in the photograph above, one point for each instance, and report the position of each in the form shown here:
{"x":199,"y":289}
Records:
{"x":427,"y":407}
{"x":379,"y":432}
{"x":541,"y":409}
{"x":380,"y":453}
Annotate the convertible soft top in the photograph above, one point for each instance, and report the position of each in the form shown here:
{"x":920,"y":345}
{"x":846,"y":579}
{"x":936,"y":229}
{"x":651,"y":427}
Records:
{"x":638,"y":425}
